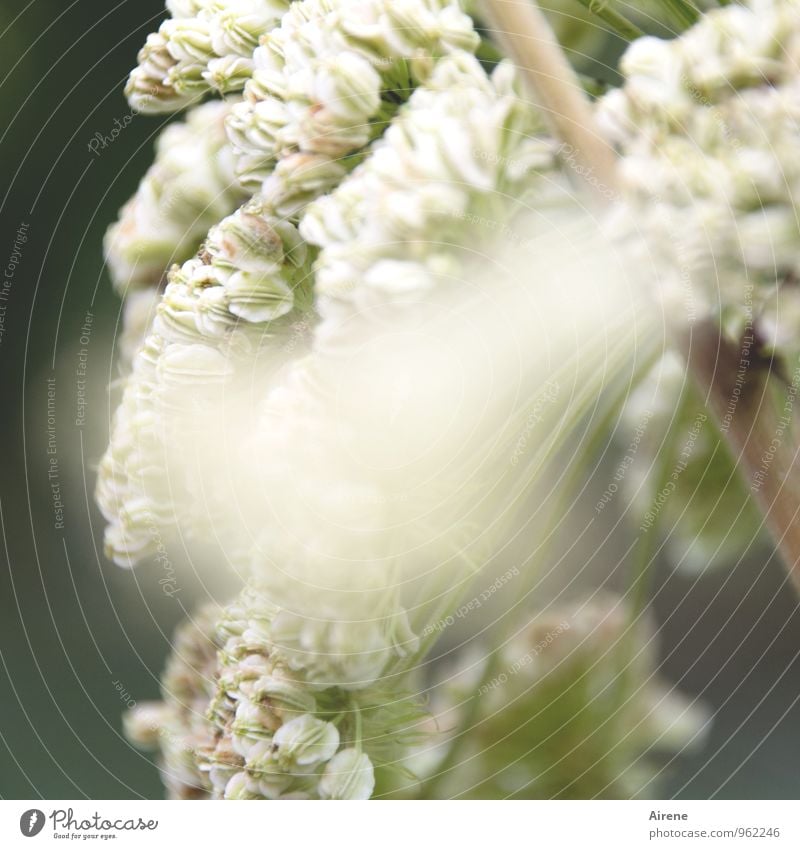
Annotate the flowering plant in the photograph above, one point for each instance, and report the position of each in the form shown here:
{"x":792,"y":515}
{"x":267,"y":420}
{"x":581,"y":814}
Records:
{"x":396,"y":260}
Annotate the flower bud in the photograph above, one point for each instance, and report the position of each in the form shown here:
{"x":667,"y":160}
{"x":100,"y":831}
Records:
{"x":348,"y":775}
{"x":188,"y":40}
{"x":254,"y":720}
{"x":237,"y":25}
{"x":147,"y":88}
{"x":246,"y":242}
{"x":241,"y":786}
{"x":305,"y":741}
{"x":142,"y":724}
{"x":285,"y":697}
{"x":228,"y":73}
{"x":349,"y":87}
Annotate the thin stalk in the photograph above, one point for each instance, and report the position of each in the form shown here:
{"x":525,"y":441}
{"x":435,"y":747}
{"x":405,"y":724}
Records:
{"x":682,"y":12}
{"x":555,"y":89}
{"x":614,"y":19}
{"x":762,"y":438}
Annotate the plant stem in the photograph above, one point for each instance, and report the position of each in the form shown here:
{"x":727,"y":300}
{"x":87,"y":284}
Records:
{"x":523,"y":30}
{"x":618,"y":22}
{"x":683,"y":12}
{"x":739,"y":390}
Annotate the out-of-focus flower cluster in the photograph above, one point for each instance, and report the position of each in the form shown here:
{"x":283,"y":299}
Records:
{"x":571,"y":709}
{"x":708,"y":127}
{"x":677,"y":477}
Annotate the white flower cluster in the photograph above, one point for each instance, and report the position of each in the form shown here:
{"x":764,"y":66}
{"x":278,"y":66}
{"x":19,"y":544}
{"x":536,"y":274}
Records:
{"x":326,"y":82}
{"x":190,"y":186}
{"x":252,"y":283}
{"x":460,"y":161}
{"x":707,"y":125}
{"x":205,"y":46}
{"x":238,"y":723}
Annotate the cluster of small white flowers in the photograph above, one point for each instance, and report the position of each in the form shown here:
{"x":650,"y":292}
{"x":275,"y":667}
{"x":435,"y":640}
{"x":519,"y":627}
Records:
{"x":250,"y":282}
{"x":451,"y":172}
{"x":205,"y":46}
{"x":238,"y":722}
{"x":707,"y":125}
{"x":277,"y":737}
{"x":327,"y":81}
{"x":190,"y":186}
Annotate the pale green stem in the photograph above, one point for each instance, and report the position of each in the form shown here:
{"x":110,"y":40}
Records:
{"x":683,"y":13}
{"x":617,"y":21}
{"x":556,"y":90}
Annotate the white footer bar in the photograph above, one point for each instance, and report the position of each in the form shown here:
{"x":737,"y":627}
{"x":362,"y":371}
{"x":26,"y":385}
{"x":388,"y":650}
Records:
{"x":406,"y":825}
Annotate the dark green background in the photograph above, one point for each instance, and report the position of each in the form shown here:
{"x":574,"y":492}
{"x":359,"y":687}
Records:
{"x":74,"y":628}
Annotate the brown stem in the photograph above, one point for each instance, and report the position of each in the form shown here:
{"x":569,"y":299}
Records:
{"x":740,"y":391}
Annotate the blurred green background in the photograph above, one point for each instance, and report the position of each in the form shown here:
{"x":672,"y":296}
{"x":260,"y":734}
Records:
{"x":81,"y":638}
